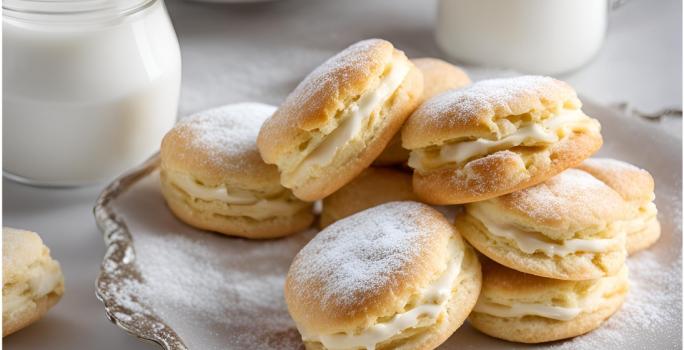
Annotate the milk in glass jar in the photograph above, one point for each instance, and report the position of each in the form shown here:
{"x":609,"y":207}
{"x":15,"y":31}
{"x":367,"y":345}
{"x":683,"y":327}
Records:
{"x":89,"y":87}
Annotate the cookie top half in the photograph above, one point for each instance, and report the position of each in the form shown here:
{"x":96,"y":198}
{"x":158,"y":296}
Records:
{"x":367,"y":266}
{"x":478,"y":110}
{"x":630,"y":181}
{"x":571,"y":203}
{"x":315,"y":102}
{"x":218,"y":147}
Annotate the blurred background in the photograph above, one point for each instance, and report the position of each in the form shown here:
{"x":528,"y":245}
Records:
{"x":260,"y":51}
{"x":236,"y":52}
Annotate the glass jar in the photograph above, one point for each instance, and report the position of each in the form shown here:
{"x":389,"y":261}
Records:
{"x":89,"y":87}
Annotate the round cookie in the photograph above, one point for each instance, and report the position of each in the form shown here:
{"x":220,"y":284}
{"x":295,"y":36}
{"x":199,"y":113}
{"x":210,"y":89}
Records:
{"x":340,"y":118}
{"x":495,"y":137}
{"x":372,"y":187}
{"x":529,"y":309}
{"x":213,"y":178}
{"x":568,"y":228}
{"x":438,"y":76}
{"x":395,"y":276}
{"x":32,"y":282}
{"x":636,"y":186}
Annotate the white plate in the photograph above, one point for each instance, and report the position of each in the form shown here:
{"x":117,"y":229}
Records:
{"x":183,"y":288}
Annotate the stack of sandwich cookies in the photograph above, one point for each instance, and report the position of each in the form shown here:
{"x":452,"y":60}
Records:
{"x":530,"y":309}
{"x":495,"y":137}
{"x":213,"y":177}
{"x":340,"y":118}
{"x":636,"y":186}
{"x":394,"y":276}
{"x":438,"y":76}
{"x":32,"y":282}
{"x":372,"y":187}
{"x":568,"y":227}
{"x":387,"y":272}
{"x":557,"y":251}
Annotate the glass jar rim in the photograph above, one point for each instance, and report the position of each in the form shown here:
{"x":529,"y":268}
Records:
{"x":71,"y":11}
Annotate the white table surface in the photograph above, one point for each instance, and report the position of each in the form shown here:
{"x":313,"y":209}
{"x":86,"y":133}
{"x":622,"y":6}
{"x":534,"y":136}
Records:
{"x":258,"y":52}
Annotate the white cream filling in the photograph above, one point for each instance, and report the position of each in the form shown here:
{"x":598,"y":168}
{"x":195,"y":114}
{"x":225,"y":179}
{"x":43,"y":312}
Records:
{"x":433,"y":303}
{"x":353,"y":118}
{"x":647,"y":214}
{"x":41,"y":281}
{"x":531,"y":135}
{"x":13,"y":303}
{"x":519,"y":310}
{"x":587,"y":303}
{"x":219,"y":193}
{"x":259,"y":209}
{"x":527,"y":243}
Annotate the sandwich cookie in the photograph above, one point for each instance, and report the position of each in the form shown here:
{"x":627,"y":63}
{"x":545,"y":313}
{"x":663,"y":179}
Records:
{"x":32,"y":282}
{"x":529,"y":309}
{"x":438,"y":76}
{"x":568,"y":228}
{"x":340,"y":118}
{"x":395,"y":276}
{"x":213,"y":178}
{"x":372,"y":187}
{"x":495,"y":137}
{"x":636,"y":186}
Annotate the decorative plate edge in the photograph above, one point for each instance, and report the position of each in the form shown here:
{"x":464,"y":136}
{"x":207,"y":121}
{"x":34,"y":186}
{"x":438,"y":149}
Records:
{"x":118,"y":267}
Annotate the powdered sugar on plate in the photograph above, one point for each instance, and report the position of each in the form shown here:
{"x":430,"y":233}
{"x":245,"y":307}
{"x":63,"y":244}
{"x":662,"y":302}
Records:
{"x":653,"y":302}
{"x":217,"y":292}
{"x":238,"y":292}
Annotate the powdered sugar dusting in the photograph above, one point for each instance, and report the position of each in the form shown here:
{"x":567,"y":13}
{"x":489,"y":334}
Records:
{"x":653,"y":303}
{"x":572,"y":193}
{"x":488,"y":96}
{"x":216,"y":292}
{"x":499,"y":93}
{"x":247,"y":281}
{"x":485,"y":174}
{"x":357,"y":257}
{"x":185,"y":287}
{"x":336,"y":71}
{"x":631,"y":182}
{"x":318,"y":93}
{"x":225,"y":134}
{"x":613,"y":165}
